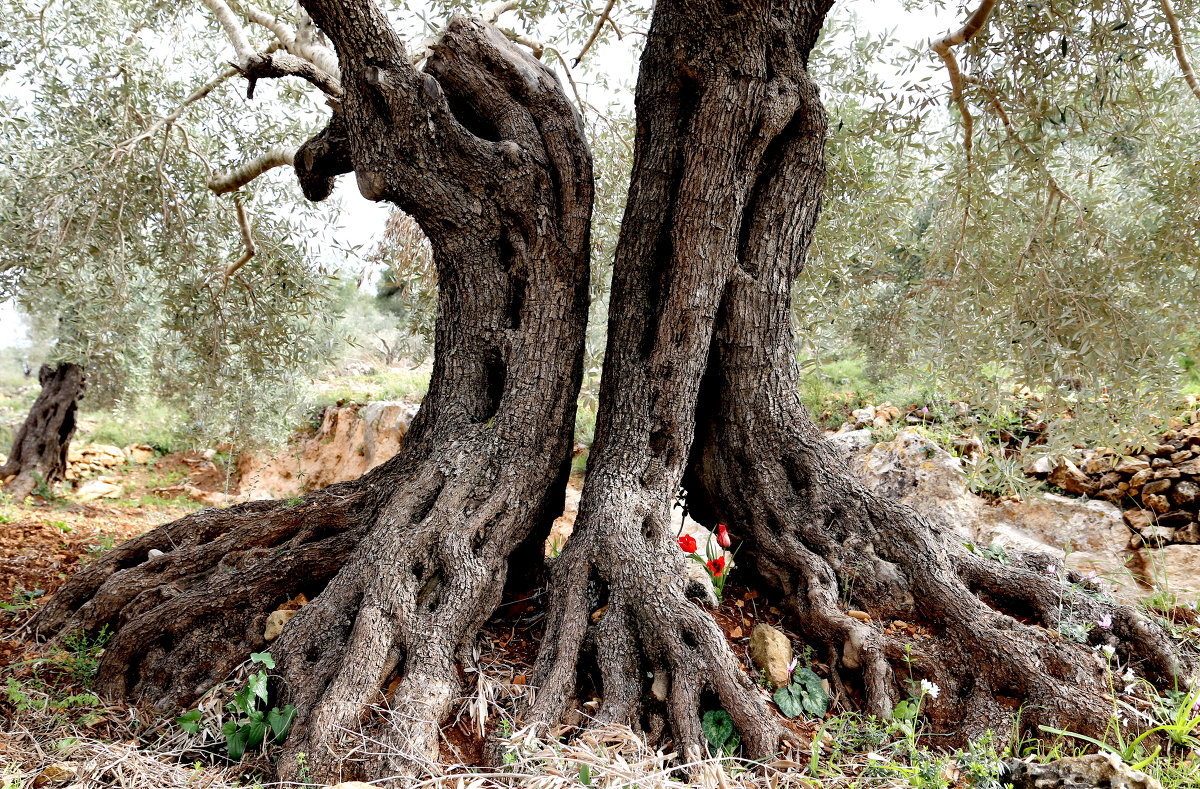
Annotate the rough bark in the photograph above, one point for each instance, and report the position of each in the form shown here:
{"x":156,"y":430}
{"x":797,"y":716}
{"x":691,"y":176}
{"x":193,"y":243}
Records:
{"x":39,"y":451}
{"x":721,"y":88}
{"x":726,"y":189}
{"x":829,"y":545}
{"x":404,"y":565}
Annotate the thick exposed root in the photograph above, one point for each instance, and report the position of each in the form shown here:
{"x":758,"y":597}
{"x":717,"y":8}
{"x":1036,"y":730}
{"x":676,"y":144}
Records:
{"x":618,"y":596}
{"x":402,"y":567}
{"x":188,"y":601}
{"x":989,"y":634}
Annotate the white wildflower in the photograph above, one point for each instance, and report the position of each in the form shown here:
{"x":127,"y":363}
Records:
{"x":930,"y":688}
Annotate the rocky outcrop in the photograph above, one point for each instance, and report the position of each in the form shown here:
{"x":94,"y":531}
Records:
{"x":350,"y":441}
{"x":1097,"y":771}
{"x":1086,"y":535}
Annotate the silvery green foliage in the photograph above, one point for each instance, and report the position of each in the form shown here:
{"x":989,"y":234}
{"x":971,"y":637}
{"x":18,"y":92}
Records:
{"x":1064,"y":255}
{"x":116,"y":250}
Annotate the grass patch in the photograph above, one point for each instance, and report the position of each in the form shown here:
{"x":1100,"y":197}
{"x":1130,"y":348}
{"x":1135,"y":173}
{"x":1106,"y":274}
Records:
{"x":386,"y":383}
{"x":148,"y":422}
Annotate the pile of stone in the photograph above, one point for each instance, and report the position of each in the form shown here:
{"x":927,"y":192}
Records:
{"x":84,"y":461}
{"x":870,"y":416}
{"x":1159,"y":489}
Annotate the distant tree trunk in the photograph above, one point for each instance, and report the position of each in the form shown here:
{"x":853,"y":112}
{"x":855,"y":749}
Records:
{"x":39,"y":452}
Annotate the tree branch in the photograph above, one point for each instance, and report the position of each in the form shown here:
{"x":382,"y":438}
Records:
{"x":1185,"y":65}
{"x":122,"y":148}
{"x":247,"y":239}
{"x":596,"y":30}
{"x":943,"y":46}
{"x":233,"y":29}
{"x":231,"y":180}
{"x":285,"y":64}
{"x":298,"y":42}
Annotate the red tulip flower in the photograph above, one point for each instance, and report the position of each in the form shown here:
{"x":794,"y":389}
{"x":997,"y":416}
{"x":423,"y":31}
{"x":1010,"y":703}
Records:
{"x":723,"y":536}
{"x":688,"y":543}
{"x":716,"y":566}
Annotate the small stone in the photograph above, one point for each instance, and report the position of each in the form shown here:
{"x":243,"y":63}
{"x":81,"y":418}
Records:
{"x":887,"y":412}
{"x":1159,"y":463}
{"x":1189,"y":534}
{"x":275,"y":623}
{"x":97,"y":488}
{"x":1156,"y":502}
{"x":1039,"y":468}
{"x":1097,"y":465}
{"x":1176,"y":519}
{"x":1130,"y":465}
{"x":1157,"y":486}
{"x":1185,"y":492}
{"x":851,"y":440}
{"x":1181,"y":455}
{"x":1141,"y":478}
{"x":771,"y":652}
{"x":140,"y":453}
{"x":1157,"y":536}
{"x":967,"y":446}
{"x":1138,"y":519}
{"x":1169,"y":472}
{"x":1079,"y":772}
{"x":863,"y":416}
{"x":153,"y":553}
{"x":1068,"y":477}
{"x":1108,"y":480}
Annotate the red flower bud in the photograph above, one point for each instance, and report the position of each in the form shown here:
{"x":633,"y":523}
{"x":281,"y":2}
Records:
{"x":717,"y":566}
{"x":688,"y":543}
{"x":723,"y":536}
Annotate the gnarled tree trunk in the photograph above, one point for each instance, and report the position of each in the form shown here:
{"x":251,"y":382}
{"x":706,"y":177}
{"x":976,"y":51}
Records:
{"x":722,"y":92}
{"x":404,"y":565}
{"x":39,"y":452}
{"x":726,"y":189}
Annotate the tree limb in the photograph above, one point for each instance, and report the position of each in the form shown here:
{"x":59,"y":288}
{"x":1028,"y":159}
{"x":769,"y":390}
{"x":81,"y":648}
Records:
{"x":236,"y":178}
{"x":233,"y":29}
{"x":1185,"y":65}
{"x":298,"y":42}
{"x":943,"y":46}
{"x":596,"y":30}
{"x":247,"y":239}
{"x":166,"y":122}
{"x":285,"y":64}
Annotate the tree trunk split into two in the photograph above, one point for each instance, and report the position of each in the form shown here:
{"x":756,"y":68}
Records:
{"x":39,"y":451}
{"x":403,"y":566}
